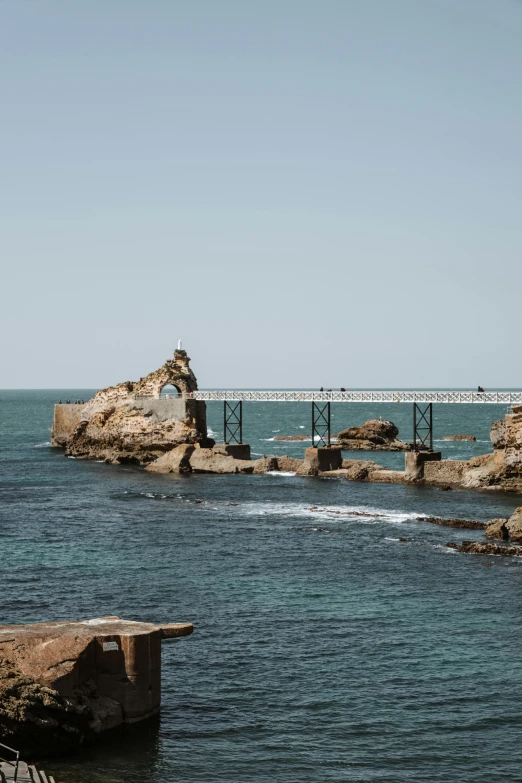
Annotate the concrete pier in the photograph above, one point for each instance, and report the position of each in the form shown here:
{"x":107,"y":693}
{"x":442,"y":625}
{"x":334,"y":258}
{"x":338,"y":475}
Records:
{"x":117,"y":662}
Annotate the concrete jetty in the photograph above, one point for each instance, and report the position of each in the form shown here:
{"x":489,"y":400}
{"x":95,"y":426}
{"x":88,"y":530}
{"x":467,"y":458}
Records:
{"x":79,"y":679}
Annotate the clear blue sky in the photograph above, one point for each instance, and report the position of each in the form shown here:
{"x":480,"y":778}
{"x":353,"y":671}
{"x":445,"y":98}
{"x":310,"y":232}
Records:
{"x":308,"y":193}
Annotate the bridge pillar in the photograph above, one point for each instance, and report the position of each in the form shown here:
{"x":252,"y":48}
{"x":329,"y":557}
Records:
{"x":423,"y":427}
{"x":233,"y":422}
{"x":320,"y":424}
{"x":415,"y":461}
{"x":320,"y":460}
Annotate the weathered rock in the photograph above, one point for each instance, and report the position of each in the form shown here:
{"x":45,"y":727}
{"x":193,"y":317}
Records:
{"x":447,"y":472}
{"x":484,"y":471}
{"x":514,"y":525}
{"x":288,"y":464}
{"x":497,"y":433}
{"x":128,"y":423}
{"x":359,"y":470}
{"x":373,"y":435}
{"x":177,"y":460}
{"x":236,"y":450}
{"x":63,"y":683}
{"x":459,"y":523}
{"x":292,"y":437}
{"x":480,"y":548}
{"x":497,"y":529}
{"x":265,"y":465}
{"x":459,"y":437}
{"x":388,"y":476}
{"x":208,"y":461}
{"x":357,"y":473}
{"x":36,"y":719}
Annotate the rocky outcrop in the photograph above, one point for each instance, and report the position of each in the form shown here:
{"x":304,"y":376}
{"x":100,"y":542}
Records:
{"x":220,"y":458}
{"x":177,"y":460}
{"x":480,"y":548}
{"x":466,"y":524}
{"x":210,"y":461}
{"x":360,"y":470}
{"x":459,"y":437}
{"x":514,"y":526}
{"x":497,"y":529}
{"x":129,"y":423}
{"x":507,"y":529}
{"x":61,"y":684}
{"x":373,"y":435}
{"x":497,"y":434}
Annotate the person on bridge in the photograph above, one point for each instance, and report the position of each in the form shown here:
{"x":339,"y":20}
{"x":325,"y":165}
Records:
{"x":480,"y":389}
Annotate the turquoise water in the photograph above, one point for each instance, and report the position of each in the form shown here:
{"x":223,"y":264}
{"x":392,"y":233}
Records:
{"x":324,"y":648}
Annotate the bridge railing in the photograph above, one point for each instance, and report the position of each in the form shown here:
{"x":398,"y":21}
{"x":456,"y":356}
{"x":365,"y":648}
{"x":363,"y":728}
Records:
{"x":445,"y":397}
{"x":8,"y":761}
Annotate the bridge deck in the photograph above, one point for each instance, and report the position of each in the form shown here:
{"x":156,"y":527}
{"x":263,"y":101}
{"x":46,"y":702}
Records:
{"x":448,"y":397}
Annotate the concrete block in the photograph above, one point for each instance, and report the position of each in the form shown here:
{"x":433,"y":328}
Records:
{"x":318,"y":460}
{"x":236,"y":450}
{"x":414,"y":463}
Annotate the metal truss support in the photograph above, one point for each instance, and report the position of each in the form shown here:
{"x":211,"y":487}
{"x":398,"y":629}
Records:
{"x":320,"y":424}
{"x":233,"y":422}
{"x":423,"y":427}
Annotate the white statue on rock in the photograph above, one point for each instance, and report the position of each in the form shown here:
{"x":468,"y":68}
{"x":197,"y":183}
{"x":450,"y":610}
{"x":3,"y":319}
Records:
{"x":179,"y":344}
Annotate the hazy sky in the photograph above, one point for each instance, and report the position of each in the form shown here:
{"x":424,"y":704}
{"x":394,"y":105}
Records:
{"x":308,"y":193}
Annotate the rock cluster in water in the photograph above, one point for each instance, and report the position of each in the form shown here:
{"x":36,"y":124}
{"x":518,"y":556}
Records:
{"x":373,"y":435}
{"x":123,"y":423}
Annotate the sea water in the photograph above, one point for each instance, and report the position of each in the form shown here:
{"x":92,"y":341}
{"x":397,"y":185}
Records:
{"x":324,"y":648}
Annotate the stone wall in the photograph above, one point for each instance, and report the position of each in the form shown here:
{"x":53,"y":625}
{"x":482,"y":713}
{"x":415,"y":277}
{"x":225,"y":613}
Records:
{"x":66,"y":419}
{"x":445,"y":472}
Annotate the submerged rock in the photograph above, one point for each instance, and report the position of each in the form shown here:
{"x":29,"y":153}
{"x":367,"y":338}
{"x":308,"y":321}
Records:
{"x":459,"y":523}
{"x":292,"y":437}
{"x":480,"y":548}
{"x":459,"y":437}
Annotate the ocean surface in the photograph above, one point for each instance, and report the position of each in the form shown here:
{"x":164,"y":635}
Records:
{"x":325,"y":649}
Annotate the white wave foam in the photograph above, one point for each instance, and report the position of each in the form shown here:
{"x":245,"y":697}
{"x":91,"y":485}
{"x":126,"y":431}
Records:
{"x":447,"y":549}
{"x":280,"y":473}
{"x":210,"y":433}
{"x":301,"y":440}
{"x":71,"y":457}
{"x":362,"y":514}
{"x":42,"y":445}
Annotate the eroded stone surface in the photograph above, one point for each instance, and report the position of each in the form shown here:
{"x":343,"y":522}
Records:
{"x":63,"y":683}
{"x":514,"y":525}
{"x":128,"y":423}
{"x":497,"y":529}
{"x":373,"y":435}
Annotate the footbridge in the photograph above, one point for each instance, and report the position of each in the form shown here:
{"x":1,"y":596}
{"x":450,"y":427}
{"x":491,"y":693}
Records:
{"x":421,"y":401}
